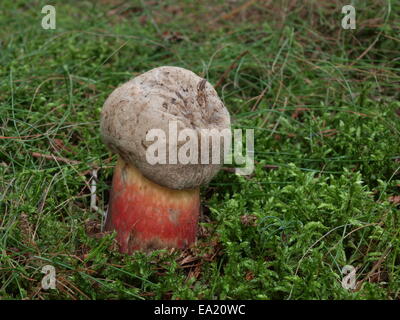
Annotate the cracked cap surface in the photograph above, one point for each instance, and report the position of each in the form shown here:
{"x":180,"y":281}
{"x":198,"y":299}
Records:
{"x":153,"y":100}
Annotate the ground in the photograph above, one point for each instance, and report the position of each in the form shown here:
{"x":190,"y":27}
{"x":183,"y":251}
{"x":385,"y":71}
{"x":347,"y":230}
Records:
{"x":324,"y":105}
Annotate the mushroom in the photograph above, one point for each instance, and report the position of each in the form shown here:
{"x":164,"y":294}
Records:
{"x":157,"y":205}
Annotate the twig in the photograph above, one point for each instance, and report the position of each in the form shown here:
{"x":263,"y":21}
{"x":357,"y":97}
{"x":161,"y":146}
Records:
{"x":259,"y":98}
{"x":41,"y":205}
{"x":69,"y":161}
{"x":231,"y":67}
{"x":374,"y":268}
{"x":55,"y":158}
{"x":366,"y":50}
{"x":234,"y":12}
{"x":328,"y":132}
{"x":271,"y":166}
{"x":22,"y":137}
{"x":357,"y":113}
{"x":276,"y":99}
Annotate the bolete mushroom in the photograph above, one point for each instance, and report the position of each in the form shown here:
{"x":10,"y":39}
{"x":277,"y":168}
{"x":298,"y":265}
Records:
{"x":156,"y":205}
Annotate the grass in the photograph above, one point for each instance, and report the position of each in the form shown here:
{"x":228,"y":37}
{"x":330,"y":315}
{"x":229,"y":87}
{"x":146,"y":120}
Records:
{"x":324,"y":104}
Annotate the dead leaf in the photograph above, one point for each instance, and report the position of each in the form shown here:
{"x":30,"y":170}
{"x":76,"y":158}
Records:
{"x":59,"y":145}
{"x":249,"y":276}
{"x":173,"y":36}
{"x":195,"y":272}
{"x":299,"y":111}
{"x":394,"y":199}
{"x":26,"y":229}
{"x":249,"y":220}
{"x":271,"y":166}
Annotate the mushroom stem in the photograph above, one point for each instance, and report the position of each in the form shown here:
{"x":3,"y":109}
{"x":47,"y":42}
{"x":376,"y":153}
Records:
{"x":147,"y":216}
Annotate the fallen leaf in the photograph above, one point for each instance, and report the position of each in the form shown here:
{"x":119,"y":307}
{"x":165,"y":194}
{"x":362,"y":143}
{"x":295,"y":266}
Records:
{"x":298,"y":112}
{"x":249,"y":220}
{"x":394,"y":199}
{"x":249,"y":276}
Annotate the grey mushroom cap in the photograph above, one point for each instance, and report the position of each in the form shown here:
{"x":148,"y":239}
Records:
{"x":153,"y":100}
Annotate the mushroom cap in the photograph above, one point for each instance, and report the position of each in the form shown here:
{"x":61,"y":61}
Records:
{"x":153,"y":100}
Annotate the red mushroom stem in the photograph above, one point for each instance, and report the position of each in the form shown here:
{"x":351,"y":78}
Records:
{"x":147,"y":216}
